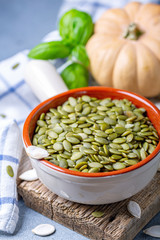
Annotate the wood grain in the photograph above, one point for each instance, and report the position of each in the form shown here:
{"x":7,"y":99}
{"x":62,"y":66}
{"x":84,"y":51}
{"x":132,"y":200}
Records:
{"x":116,"y":224}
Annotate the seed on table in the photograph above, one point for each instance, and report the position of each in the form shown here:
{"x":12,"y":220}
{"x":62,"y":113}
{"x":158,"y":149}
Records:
{"x":118,"y":166}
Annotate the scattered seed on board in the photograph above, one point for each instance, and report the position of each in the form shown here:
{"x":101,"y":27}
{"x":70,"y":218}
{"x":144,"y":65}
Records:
{"x":44,"y":229}
{"x":91,"y":135}
{"x":29,"y":175}
{"x":97,"y":214}
{"x":134,"y":209}
{"x":10,"y":171}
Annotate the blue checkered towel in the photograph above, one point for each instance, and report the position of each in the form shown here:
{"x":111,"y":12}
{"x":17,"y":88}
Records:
{"x":10,"y":153}
{"x":16,"y":101}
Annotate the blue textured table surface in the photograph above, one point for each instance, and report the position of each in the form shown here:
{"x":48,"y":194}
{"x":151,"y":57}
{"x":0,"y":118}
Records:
{"x":23,"y":24}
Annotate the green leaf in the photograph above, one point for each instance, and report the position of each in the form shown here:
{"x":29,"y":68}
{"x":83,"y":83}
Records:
{"x":76,"y":26}
{"x":51,"y":50}
{"x":79,"y":54}
{"x":75,"y":76}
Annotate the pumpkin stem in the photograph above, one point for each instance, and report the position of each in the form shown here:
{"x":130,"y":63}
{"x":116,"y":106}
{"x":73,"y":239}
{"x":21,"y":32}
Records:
{"x":133,"y":32}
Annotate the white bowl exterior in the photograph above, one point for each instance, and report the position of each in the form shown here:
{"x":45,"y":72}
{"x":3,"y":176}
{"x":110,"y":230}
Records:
{"x":97,"y":190}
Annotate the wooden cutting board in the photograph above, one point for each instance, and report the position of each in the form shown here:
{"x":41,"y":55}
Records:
{"x":116,"y":224}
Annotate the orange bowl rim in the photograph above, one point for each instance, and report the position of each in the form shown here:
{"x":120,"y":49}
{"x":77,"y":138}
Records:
{"x":121,"y":92}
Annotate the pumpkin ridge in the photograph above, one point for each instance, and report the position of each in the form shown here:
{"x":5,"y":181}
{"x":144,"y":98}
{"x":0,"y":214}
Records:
{"x":143,"y":43}
{"x":121,"y":49}
{"x":116,"y":64}
{"x":155,"y":87}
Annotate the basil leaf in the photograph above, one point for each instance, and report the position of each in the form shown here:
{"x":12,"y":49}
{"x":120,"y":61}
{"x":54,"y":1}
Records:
{"x":51,"y":50}
{"x":76,"y":26}
{"x":79,"y":54}
{"x":75,"y":76}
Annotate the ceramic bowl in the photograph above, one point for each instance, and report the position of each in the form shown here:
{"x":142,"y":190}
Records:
{"x":95,"y":188}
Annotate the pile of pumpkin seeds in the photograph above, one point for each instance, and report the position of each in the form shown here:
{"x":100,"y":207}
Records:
{"x":95,"y":135}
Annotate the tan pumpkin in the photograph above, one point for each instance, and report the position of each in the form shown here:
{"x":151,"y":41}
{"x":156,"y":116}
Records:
{"x":124,"y":50}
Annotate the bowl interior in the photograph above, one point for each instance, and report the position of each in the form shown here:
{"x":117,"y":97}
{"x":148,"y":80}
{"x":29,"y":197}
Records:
{"x":99,"y":92}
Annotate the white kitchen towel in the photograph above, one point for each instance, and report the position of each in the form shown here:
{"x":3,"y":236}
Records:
{"x":16,"y":97}
{"x":10,"y":154}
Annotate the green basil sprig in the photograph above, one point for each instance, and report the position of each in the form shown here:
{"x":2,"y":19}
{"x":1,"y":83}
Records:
{"x":76,"y":26}
{"x":51,"y":50}
{"x":79,"y":54}
{"x":75,"y":76}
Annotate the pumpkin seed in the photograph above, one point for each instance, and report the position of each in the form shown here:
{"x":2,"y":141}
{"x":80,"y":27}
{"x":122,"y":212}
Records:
{"x":119,"y":140}
{"x":10,"y":171}
{"x":76,"y":155}
{"x":72,"y":101}
{"x":97,"y":214}
{"x":92,"y":135}
{"x":101,"y":140}
{"x":58,"y":146}
{"x":118,"y":165}
{"x":94,"y":170}
{"x":95,"y":165}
